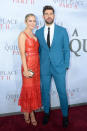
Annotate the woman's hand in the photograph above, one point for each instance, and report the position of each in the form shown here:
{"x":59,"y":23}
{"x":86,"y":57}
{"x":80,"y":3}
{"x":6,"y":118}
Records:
{"x":27,"y":74}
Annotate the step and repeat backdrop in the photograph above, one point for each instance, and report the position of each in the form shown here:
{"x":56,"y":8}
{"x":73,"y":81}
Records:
{"x":70,"y":14}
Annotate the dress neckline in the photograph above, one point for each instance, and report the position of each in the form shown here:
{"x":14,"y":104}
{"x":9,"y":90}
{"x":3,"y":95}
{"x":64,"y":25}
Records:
{"x":29,"y":36}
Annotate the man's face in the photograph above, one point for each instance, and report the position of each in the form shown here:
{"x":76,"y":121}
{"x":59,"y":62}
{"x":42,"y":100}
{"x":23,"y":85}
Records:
{"x":49,"y":16}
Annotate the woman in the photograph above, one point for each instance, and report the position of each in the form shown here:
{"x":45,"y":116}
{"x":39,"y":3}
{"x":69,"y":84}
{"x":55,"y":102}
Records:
{"x":30,"y":97}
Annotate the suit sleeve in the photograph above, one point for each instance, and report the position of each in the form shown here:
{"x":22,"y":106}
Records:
{"x":36,"y":34}
{"x":66,"y":49}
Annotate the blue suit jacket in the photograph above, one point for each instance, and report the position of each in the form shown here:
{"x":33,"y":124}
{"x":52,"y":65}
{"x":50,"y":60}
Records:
{"x":57,"y":55}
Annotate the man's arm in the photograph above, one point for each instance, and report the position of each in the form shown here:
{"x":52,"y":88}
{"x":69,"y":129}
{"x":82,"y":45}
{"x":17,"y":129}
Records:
{"x":66,"y":49}
{"x":37,"y":35}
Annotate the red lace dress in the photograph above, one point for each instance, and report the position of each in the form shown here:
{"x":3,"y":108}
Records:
{"x":30,"y":96}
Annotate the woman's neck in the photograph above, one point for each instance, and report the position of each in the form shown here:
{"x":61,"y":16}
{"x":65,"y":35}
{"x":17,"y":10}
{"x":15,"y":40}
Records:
{"x":29,"y":31}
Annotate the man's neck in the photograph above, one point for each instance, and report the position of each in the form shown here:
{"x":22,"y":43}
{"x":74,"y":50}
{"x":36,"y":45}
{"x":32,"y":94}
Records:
{"x":49,"y":24}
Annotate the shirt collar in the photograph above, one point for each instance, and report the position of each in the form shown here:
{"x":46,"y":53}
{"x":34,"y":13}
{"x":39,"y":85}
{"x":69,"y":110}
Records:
{"x":51,"y":26}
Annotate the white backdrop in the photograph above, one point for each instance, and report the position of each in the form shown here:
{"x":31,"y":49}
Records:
{"x":71,"y":14}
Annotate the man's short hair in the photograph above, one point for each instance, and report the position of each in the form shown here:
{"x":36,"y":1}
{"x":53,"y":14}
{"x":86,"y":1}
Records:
{"x":47,"y":7}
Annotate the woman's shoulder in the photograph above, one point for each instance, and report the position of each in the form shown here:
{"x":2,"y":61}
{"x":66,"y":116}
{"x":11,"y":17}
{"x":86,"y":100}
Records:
{"x":21,"y":34}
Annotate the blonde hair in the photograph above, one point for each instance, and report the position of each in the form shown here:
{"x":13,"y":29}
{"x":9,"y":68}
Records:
{"x":28,"y":15}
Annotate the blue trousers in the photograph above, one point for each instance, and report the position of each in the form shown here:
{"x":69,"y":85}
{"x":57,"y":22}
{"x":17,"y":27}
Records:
{"x":61,"y":89}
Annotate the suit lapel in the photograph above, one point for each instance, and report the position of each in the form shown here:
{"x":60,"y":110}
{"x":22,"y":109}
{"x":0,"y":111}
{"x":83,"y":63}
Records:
{"x":44,"y":41}
{"x":43,"y":38}
{"x":53,"y":36}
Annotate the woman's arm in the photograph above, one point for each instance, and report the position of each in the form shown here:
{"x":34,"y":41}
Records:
{"x":21,"y":45}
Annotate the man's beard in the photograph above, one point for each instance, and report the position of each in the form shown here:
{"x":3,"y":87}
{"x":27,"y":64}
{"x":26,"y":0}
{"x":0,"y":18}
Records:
{"x":47,"y":22}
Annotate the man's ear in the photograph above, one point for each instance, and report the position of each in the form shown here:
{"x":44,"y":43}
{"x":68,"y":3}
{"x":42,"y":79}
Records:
{"x":43,"y":16}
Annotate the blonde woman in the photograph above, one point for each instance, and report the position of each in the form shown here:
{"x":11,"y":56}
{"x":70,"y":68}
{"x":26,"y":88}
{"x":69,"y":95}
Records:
{"x":30,"y":96}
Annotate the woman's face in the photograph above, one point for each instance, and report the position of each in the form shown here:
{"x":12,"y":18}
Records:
{"x":31,"y":22}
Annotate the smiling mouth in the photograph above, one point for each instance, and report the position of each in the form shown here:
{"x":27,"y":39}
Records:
{"x":49,"y":19}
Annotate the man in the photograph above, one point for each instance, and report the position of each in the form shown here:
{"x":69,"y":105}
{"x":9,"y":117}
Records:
{"x":54,"y":61}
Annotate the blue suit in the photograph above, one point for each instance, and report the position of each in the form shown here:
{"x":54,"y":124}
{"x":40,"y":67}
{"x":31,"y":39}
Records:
{"x":53,"y":63}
